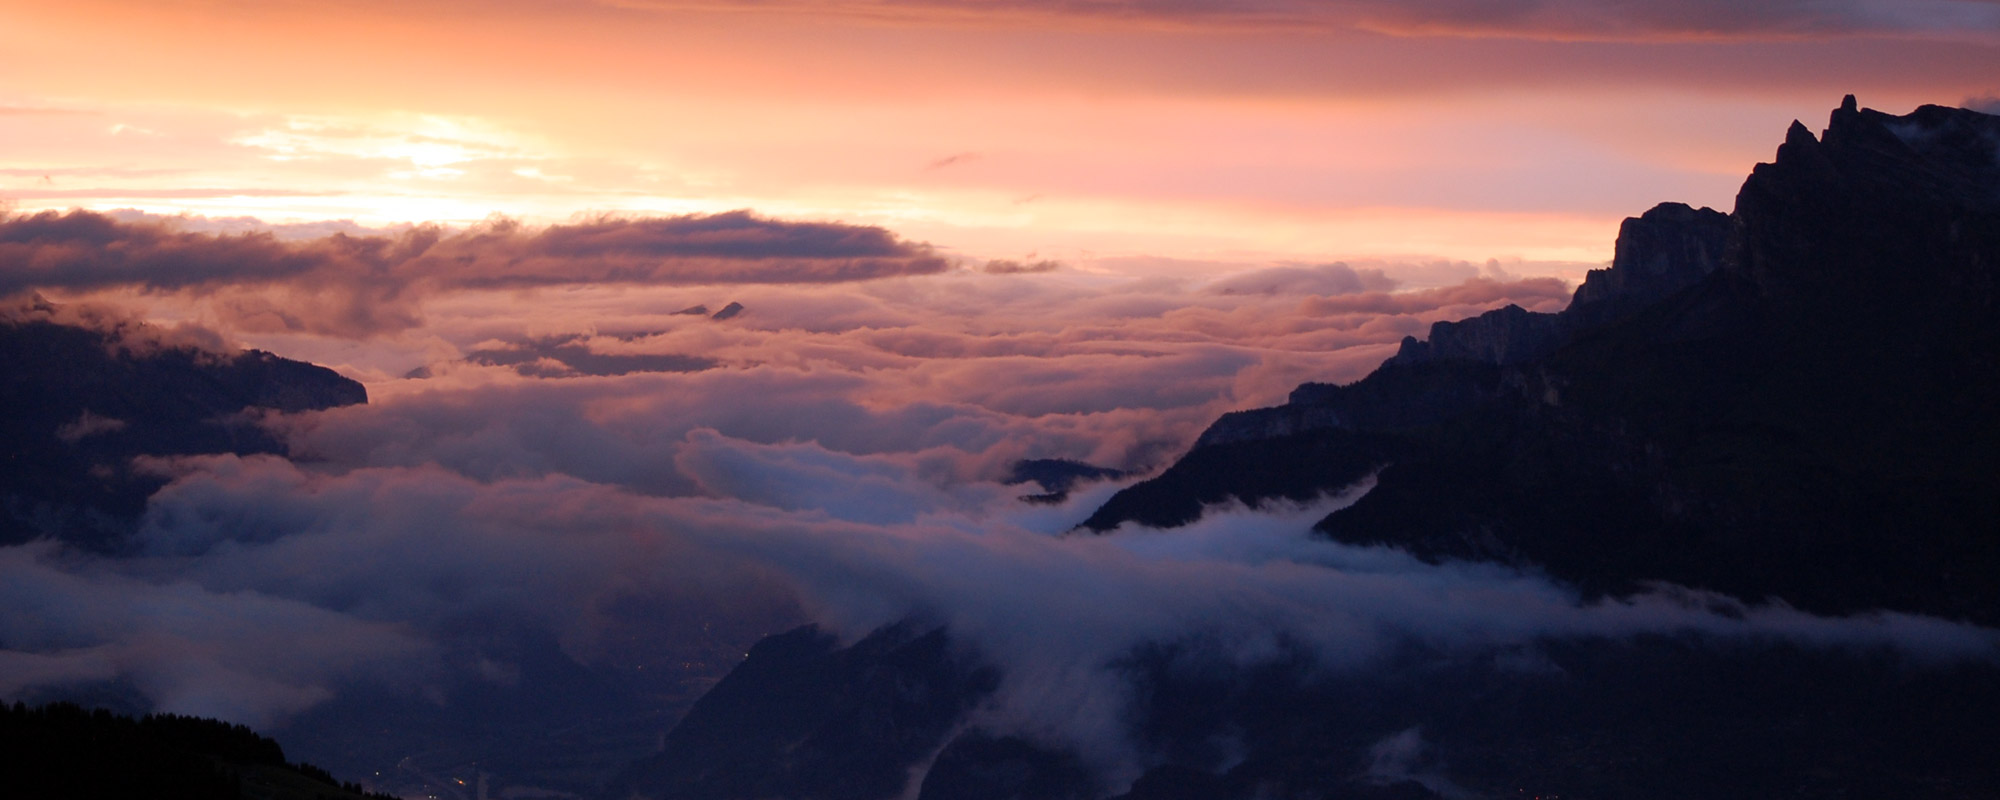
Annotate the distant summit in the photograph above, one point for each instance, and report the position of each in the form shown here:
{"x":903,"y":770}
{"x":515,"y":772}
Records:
{"x":84,"y":396}
{"x":1660,"y":252}
{"x":1056,"y":476}
{"x":701,"y":310}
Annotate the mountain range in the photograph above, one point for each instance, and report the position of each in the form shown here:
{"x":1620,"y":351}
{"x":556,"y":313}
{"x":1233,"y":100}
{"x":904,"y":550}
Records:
{"x":1793,"y":401}
{"x":1790,"y":405}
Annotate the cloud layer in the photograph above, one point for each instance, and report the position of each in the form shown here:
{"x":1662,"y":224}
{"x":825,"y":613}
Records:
{"x":558,"y":455}
{"x":836,"y":458}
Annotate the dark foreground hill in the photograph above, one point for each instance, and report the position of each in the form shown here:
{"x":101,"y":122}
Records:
{"x":83,"y":397}
{"x":64,"y":752}
{"x":1796,"y":400}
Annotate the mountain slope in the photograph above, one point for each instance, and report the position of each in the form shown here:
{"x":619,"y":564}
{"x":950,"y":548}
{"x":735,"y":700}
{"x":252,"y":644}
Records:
{"x":1808,"y":415}
{"x":804,"y":717}
{"x":84,"y":397}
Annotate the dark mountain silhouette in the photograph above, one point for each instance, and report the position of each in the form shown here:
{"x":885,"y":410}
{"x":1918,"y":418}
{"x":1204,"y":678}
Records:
{"x":979,"y":766}
{"x":568,"y":355}
{"x":1798,"y":406}
{"x":1056,"y":476}
{"x":62,"y":751}
{"x":82,"y":401}
{"x":1654,"y":718}
{"x":803,"y":717}
{"x":1796,"y":400}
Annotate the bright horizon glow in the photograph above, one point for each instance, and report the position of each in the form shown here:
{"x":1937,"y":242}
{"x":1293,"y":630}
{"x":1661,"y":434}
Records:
{"x":997,"y":133}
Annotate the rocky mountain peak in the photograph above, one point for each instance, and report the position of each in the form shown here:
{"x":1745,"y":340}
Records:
{"x":1763,"y":398}
{"x":1665,"y":250}
{"x":1880,"y":209}
{"x":1660,"y":252}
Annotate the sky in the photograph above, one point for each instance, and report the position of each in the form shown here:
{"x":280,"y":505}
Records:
{"x":1079,"y":130}
{"x":961,"y":234}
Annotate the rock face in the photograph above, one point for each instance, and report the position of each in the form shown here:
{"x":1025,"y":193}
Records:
{"x":1507,"y":335}
{"x":1808,"y":416}
{"x":82,"y":402}
{"x":1904,"y":205}
{"x":1660,"y":252}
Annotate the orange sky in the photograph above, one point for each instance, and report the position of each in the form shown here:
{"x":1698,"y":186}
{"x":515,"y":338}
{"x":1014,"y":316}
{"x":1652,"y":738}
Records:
{"x":1246,"y":132}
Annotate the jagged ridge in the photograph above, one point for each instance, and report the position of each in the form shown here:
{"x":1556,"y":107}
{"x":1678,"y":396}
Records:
{"x":1795,"y":404}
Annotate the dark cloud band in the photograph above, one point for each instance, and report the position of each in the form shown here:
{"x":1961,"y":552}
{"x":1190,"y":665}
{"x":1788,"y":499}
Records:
{"x":1612,"y":20}
{"x":366,"y":284}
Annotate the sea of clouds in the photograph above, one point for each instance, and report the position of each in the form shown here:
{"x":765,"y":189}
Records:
{"x":832,"y":454}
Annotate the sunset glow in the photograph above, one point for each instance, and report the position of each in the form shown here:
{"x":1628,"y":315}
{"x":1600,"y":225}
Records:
{"x":1249,"y":132}
{"x":1048,"y":399}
